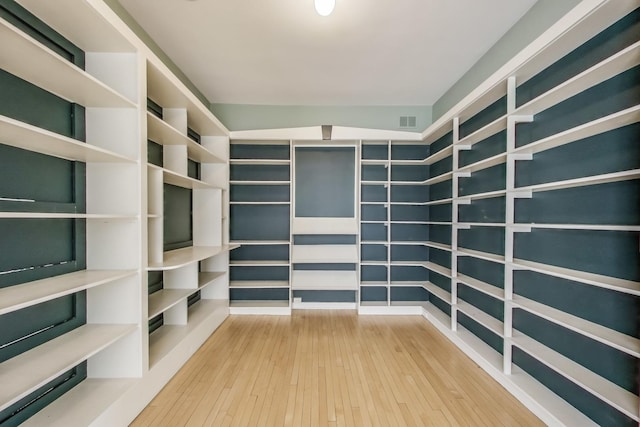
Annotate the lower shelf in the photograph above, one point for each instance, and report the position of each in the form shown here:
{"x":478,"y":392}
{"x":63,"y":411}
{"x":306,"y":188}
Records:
{"x":23,"y":374}
{"x":167,"y":337}
{"x":82,"y":404}
{"x":272,"y":307}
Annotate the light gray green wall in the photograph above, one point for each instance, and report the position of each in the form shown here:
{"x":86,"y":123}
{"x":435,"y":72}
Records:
{"x":140,"y":32}
{"x":245,"y":117}
{"x":538,"y":19}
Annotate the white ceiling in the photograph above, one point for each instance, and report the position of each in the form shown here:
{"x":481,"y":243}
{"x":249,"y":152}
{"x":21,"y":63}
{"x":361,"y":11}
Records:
{"x":368,"y":52}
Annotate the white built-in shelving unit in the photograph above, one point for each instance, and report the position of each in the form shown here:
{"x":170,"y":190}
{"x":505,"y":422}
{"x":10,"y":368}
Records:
{"x":124,"y":218}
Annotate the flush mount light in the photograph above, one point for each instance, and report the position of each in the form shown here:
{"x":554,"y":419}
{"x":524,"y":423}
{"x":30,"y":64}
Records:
{"x":325,"y":7}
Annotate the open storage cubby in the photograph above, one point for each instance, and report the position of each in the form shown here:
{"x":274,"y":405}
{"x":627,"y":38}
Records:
{"x":535,"y":223}
{"x":260,"y":200}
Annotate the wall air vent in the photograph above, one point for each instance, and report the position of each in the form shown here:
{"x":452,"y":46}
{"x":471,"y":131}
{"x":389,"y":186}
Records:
{"x":407,"y":122}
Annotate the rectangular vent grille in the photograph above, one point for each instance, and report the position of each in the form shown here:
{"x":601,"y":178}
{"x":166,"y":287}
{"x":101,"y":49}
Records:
{"x":407,"y":122}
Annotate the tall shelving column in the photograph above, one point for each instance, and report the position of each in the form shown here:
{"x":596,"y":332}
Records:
{"x":107,"y":271}
{"x":260,"y":212}
{"x":375,"y":174}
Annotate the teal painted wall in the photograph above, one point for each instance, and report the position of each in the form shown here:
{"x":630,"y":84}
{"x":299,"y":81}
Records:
{"x":538,"y":19}
{"x":244,"y":117}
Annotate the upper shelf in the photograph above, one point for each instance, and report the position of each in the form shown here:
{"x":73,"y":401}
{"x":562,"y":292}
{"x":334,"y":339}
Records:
{"x":30,"y":60}
{"x":610,"y":67}
{"x":87,"y":27}
{"x":185,"y":256}
{"x":23,"y":135}
{"x":163,"y":133}
{"x":166,"y":90}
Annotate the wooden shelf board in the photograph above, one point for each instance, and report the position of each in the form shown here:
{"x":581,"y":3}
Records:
{"x":167,"y":91}
{"x":374,"y":283}
{"x":308,"y":254}
{"x":438,"y":292}
{"x":164,"y":299}
{"x":603,"y":227}
{"x":26,"y":372}
{"x":259,"y":304}
{"x":607,"y":282}
{"x":479,"y":224}
{"x":610,"y":337}
{"x":260,"y":161}
{"x":17,"y":297}
{"x":373,"y":262}
{"x":426,"y":264}
{"x":559,"y":408}
{"x":487,"y":195}
{"x":207,"y":277}
{"x":59,"y":215}
{"x":164,"y":339}
{"x":621,"y":399}
{"x":485,"y":132}
{"x":185,"y":256}
{"x":610,"y":67}
{"x":258,"y":284}
{"x":258,"y":263}
{"x":580,"y":182}
{"x":407,"y":284}
{"x":260,"y":242}
{"x":163,"y":133}
{"x":236,"y":182}
{"x":398,"y":303}
{"x":374,"y":303}
{"x":28,"y":137}
{"x":324,"y":280}
{"x":61,"y":78}
{"x":481,"y":286}
{"x":184,"y":181}
{"x":494,"y":325}
{"x":489,"y":162}
{"x":89,"y":399}
{"x":259,"y":203}
{"x":481,"y":255}
{"x":601,"y":125}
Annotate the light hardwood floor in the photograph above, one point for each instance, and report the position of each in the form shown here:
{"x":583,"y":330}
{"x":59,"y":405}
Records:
{"x":332,"y":368}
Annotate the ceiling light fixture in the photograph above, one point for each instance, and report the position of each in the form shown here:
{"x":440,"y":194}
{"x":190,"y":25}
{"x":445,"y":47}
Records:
{"x":324,"y":7}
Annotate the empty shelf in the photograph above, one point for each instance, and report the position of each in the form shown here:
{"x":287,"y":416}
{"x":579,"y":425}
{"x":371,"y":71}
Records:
{"x":324,"y":280}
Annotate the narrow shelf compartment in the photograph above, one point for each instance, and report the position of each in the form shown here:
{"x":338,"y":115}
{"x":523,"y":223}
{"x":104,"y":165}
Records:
{"x":581,"y":182}
{"x":601,"y":125}
{"x":437,"y":291}
{"x":607,"y":282}
{"x":23,"y":374}
{"x":481,"y":255}
{"x":168,"y":337}
{"x":28,"y":137}
{"x":610,"y":337}
{"x":486,"y":320}
{"x":17,"y":297}
{"x":481,"y":286}
{"x":207,"y":277}
{"x":324,"y":280}
{"x":485,"y":132}
{"x":258,"y":284}
{"x":624,"y":401}
{"x":324,"y":254}
{"x":426,"y":264}
{"x":164,"y":134}
{"x":181,"y":257}
{"x":164,"y":299}
{"x":61,"y":77}
{"x":616,"y":64}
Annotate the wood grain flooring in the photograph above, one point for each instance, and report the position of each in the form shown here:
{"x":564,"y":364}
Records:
{"x":332,"y":368}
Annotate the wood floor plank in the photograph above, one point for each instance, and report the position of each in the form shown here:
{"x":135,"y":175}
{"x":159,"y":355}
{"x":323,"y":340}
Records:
{"x":331,"y":368}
